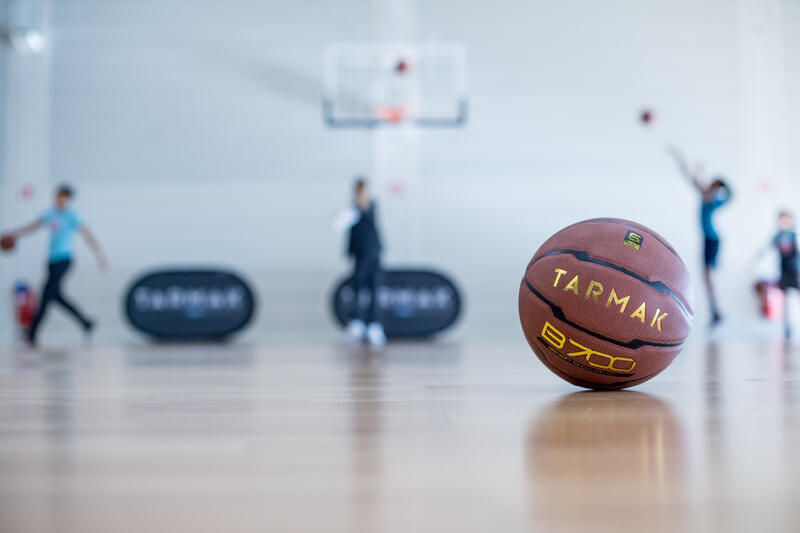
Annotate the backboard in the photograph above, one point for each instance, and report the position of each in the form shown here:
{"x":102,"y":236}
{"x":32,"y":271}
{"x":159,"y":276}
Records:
{"x":371,"y":84}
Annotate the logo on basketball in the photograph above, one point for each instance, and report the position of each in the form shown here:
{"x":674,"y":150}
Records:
{"x":595,"y":289}
{"x":633,"y":239}
{"x":597,"y":361}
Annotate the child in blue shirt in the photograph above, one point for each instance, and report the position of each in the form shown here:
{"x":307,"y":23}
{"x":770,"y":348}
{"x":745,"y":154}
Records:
{"x":712,"y":196}
{"x":63,"y":223}
{"x":785,"y":242}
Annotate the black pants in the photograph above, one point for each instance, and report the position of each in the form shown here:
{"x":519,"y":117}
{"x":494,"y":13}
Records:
{"x":52,"y":293}
{"x":366,"y":276}
{"x":790,"y":277}
{"x":710,"y":251}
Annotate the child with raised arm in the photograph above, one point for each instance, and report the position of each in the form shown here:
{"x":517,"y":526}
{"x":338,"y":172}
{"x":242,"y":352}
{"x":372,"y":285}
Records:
{"x":713,"y":195}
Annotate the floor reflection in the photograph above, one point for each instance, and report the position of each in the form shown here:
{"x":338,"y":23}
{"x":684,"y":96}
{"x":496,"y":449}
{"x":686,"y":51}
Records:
{"x":58,"y":369}
{"x":440,"y":437}
{"x":604,"y":455}
{"x":366,"y":426}
{"x":407,"y":353}
{"x":713,"y":391}
{"x":189,"y":354}
{"x":209,"y":387}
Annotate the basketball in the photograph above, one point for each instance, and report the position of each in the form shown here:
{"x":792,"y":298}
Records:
{"x":7,"y":243}
{"x":605,"y":304}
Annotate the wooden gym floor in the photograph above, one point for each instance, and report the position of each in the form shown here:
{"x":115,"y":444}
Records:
{"x":425,"y":437}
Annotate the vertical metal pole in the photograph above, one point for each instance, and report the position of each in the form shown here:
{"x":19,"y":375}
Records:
{"x":27,"y":147}
{"x":762,"y":95}
{"x":395,"y":149}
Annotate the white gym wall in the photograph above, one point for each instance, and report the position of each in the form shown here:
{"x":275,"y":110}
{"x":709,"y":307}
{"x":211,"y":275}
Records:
{"x":198,"y":142}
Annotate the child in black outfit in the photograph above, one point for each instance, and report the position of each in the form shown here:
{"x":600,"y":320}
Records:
{"x":785,"y":241}
{"x":364,"y":246}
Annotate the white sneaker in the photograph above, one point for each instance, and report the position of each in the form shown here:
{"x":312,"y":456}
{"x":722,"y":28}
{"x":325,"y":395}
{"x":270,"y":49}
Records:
{"x":375,"y":335}
{"x":355,"y":331}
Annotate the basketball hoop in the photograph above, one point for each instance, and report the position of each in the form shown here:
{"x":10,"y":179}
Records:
{"x":370,"y":84}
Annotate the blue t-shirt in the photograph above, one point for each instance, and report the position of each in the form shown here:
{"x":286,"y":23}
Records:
{"x":706,"y":211}
{"x":62,"y":225}
{"x":786,"y":243}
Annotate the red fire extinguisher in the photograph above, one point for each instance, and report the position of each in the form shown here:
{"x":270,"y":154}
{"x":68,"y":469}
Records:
{"x":770,"y":299}
{"x":24,"y":304}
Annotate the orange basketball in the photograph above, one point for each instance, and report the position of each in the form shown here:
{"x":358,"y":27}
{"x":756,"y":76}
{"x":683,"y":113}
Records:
{"x":605,"y":303}
{"x":7,"y":242}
